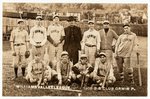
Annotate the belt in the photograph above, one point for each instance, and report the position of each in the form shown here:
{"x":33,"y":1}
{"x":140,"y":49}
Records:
{"x":90,"y":45}
{"x":19,"y":44}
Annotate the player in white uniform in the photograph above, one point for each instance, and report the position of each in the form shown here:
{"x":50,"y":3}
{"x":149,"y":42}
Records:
{"x":91,"y":43}
{"x":55,"y":37}
{"x":38,"y":37}
{"x":19,"y":44}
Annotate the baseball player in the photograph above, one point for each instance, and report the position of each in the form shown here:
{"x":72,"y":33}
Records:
{"x":73,"y":38}
{"x":102,"y":66}
{"x":64,"y":68}
{"x":38,"y":37}
{"x":19,"y":44}
{"x":80,"y":69}
{"x":107,"y":36}
{"x":124,"y":47}
{"x":55,"y":37}
{"x":35,"y":69}
{"x":91,"y":43}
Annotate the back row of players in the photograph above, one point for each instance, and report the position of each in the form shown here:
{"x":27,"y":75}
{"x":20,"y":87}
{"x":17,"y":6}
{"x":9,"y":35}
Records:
{"x":55,"y":52}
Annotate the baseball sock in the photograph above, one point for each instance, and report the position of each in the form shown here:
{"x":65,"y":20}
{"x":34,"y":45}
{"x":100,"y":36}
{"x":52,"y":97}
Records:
{"x":16,"y":71}
{"x":23,"y":71}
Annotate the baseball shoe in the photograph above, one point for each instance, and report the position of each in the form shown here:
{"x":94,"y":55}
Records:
{"x":14,"y":78}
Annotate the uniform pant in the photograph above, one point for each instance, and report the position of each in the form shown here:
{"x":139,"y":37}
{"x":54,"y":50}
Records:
{"x":38,"y":50}
{"x":19,"y":59}
{"x":55,"y":51}
{"x":126,"y":61}
{"x":90,"y":52}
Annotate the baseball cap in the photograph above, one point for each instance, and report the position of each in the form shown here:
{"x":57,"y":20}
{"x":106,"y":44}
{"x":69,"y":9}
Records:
{"x":39,"y":17}
{"x":102,"y":54}
{"x":71,"y":18}
{"x":20,"y":20}
{"x":90,"y":21}
{"x":55,"y":16}
{"x":64,"y":53}
{"x":127,"y":24}
{"x":105,"y":21}
{"x":83,"y":56}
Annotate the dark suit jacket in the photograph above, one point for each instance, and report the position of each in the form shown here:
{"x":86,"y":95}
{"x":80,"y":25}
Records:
{"x":73,"y":38}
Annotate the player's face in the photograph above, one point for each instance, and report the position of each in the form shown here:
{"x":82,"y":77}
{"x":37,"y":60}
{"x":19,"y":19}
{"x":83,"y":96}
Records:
{"x":103,"y":59}
{"x":37,"y":58}
{"x":39,"y":22}
{"x":83,"y":60}
{"x":56,"y":19}
{"x":106,"y":25}
{"x":21,"y":25}
{"x":72,"y":22}
{"x":64,"y":59}
{"x":127,"y":29}
{"x":91,"y":25}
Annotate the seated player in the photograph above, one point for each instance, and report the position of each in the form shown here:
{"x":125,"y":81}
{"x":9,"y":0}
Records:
{"x":82,"y":69}
{"x":35,"y":70}
{"x":50,"y":75}
{"x":102,"y":69}
{"x":63,"y":68}
{"x":38,"y":71}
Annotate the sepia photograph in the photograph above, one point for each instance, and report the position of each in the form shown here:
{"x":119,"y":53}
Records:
{"x":74,"y":49}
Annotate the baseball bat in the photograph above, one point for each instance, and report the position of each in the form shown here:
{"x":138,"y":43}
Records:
{"x":83,"y":79}
{"x":139,"y":70}
{"x":104,"y":81}
{"x":46,"y":56}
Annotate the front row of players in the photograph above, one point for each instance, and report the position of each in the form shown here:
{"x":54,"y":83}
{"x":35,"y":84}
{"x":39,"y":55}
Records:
{"x":65,"y":73}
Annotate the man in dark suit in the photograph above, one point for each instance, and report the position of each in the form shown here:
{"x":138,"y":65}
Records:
{"x":72,"y":40}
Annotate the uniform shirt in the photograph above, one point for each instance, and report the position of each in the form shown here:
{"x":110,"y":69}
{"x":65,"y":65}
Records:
{"x":64,"y":69}
{"x":91,"y":38}
{"x":107,"y":39}
{"x":56,"y":32}
{"x":101,"y":68}
{"x":82,"y":67}
{"x":38,"y":34}
{"x":125,"y":44}
{"x":36,"y":67}
{"x":19,"y":36}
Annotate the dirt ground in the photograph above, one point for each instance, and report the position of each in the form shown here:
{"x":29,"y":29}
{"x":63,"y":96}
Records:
{"x":9,"y":88}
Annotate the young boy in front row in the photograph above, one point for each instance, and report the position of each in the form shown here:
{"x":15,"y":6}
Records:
{"x":103,"y":68}
{"x":38,"y":71}
{"x":80,"y":69}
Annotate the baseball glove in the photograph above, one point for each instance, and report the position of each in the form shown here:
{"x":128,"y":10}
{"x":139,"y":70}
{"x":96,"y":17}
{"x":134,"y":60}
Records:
{"x":27,"y":54}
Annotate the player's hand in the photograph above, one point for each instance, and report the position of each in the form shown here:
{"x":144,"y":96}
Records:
{"x":14,"y":53}
{"x":78,"y":76}
{"x":60,"y":82}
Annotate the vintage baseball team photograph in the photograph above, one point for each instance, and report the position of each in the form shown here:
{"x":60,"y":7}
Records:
{"x":74,"y":49}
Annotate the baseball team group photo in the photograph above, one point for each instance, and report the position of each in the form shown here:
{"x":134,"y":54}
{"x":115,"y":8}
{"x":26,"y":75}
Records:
{"x":70,"y":49}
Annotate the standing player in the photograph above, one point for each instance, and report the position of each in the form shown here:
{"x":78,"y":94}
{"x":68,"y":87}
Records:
{"x":19,"y":44}
{"x":124,"y":47}
{"x":55,"y":37}
{"x":72,"y":40}
{"x":91,"y":43}
{"x":38,"y":37}
{"x":107,"y":35}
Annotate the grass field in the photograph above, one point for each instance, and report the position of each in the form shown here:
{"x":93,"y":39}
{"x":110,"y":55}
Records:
{"x":9,"y":88}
